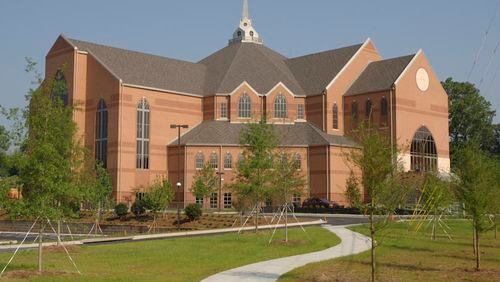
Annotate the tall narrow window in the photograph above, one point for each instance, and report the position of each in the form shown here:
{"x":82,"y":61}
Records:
{"x":241,"y":158}
{"x":213,"y":200}
{"x":244,"y":106}
{"x":423,"y":153}
{"x":101,"y":133}
{"x":354,"y":111}
{"x":300,"y":111}
{"x":297,"y":161}
{"x":143,"y":112}
{"x":228,"y":203}
{"x":223,"y":110}
{"x":199,"y":160}
{"x":335,"y":112}
{"x":228,"y":161}
{"x":368,"y":109}
{"x":383,"y":106}
{"x":60,"y":88}
{"x":383,"y":111}
{"x":214,"y":160}
{"x":280,"y":107}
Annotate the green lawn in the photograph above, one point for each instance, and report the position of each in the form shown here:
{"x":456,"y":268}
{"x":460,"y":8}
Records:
{"x":182,"y":259}
{"x":406,"y":256}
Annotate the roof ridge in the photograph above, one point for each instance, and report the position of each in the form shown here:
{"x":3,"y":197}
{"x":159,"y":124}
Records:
{"x":325,"y":51}
{"x":290,"y":75}
{"x":129,"y":50}
{"x":229,"y":68}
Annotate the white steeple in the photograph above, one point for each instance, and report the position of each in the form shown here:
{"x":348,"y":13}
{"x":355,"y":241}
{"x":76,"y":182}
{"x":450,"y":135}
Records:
{"x":245,"y":32}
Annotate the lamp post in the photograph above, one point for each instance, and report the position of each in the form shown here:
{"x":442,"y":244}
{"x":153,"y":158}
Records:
{"x":220,"y":173}
{"x":179,"y":184}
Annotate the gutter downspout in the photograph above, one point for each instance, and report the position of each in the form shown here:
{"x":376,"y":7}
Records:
{"x":328,"y":173}
{"x":392,"y":121}
{"x":120,"y":138}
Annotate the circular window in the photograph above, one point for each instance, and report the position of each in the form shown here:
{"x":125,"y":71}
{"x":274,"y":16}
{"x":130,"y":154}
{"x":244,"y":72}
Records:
{"x":245,"y":24}
{"x":422,"y":79}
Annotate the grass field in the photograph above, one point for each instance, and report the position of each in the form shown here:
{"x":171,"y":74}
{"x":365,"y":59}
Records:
{"x":406,"y":256}
{"x":182,"y":259}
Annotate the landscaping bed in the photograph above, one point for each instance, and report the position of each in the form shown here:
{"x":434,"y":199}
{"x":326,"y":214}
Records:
{"x":409,"y":256}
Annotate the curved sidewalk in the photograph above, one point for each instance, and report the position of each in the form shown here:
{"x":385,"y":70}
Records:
{"x":271,"y":270}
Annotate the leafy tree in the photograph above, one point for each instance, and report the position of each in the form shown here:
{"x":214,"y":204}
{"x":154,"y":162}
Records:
{"x":470,"y":116}
{"x":478,"y":189}
{"x":253,"y":176}
{"x":96,"y":184}
{"x":205,"y":182}
{"x":50,"y":160}
{"x":157,"y":197}
{"x":378,"y":173}
{"x":287,"y":181}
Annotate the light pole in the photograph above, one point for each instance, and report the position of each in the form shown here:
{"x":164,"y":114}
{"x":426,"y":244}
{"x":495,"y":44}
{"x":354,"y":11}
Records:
{"x":220,"y":173}
{"x":179,"y":184}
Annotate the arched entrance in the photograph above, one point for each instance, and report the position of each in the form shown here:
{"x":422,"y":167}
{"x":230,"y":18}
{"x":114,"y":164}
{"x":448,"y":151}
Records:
{"x":423,"y":151}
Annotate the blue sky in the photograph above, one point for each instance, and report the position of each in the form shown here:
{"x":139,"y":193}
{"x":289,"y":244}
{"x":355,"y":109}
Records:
{"x":449,"y":31}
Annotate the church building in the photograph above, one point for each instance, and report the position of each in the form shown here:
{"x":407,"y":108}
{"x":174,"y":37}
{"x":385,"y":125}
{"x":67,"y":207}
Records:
{"x":131,"y":105}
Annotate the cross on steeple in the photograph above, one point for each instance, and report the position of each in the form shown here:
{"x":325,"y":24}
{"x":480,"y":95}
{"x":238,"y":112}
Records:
{"x":245,"y":32}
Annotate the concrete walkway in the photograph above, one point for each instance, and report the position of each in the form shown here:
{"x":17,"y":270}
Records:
{"x":271,"y":270}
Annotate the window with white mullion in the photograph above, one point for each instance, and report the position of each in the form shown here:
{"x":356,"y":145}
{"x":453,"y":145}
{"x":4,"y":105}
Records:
{"x":143,"y":135}
{"x":101,"y":137}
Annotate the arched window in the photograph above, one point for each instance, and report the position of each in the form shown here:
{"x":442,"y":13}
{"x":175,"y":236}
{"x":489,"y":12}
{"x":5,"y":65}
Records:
{"x":297,"y":161}
{"x":368,"y":109}
{"x":101,"y":133}
{"x":199,"y":160}
{"x":423,"y":153}
{"x":335,"y":112}
{"x":60,"y":88}
{"x":280,"y":107}
{"x":241,"y":158}
{"x":214,"y":160}
{"x":228,"y":161}
{"x":383,"y":106}
{"x":354,"y":111}
{"x":244,"y":106}
{"x":142,"y":161}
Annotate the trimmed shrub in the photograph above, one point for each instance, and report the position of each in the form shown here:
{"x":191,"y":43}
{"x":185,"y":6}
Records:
{"x":193,"y":211}
{"x":121,"y":210}
{"x":138,"y":207}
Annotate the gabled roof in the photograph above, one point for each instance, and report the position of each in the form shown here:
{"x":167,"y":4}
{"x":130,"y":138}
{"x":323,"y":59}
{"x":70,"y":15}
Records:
{"x":226,"y":133}
{"x":256,"y":64}
{"x":148,"y":70}
{"x":314,"y":72}
{"x":379,"y":75}
{"x":223,"y":71}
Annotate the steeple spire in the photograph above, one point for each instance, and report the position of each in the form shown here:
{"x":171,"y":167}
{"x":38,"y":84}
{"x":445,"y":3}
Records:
{"x":245,"y":10}
{"x":245,"y":32}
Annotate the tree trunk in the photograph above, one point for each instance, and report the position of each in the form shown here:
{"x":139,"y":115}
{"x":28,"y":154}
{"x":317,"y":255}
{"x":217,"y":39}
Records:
{"x":286,"y":222}
{"x":40,"y":247}
{"x":474,"y":237}
{"x":372,"y":236}
{"x":434,"y":227}
{"x":257,"y":208}
{"x":58,"y":232}
{"x":478,"y":253}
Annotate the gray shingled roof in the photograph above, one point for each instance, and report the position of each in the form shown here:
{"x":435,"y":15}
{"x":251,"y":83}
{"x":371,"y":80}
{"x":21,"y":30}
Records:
{"x":226,"y":69}
{"x":148,"y":70}
{"x":256,"y":64}
{"x":226,"y":133}
{"x":379,"y":75}
{"x":314,"y":72}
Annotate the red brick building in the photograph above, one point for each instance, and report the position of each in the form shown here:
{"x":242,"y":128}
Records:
{"x":127,"y":101}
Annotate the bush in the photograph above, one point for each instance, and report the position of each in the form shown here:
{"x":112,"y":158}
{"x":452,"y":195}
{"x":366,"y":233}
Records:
{"x":193,"y":211}
{"x":121,"y":210}
{"x":138,"y":207}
